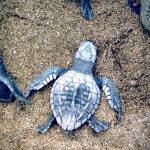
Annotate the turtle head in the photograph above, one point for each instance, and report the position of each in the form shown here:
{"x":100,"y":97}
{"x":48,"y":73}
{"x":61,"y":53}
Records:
{"x":85,"y":58}
{"x":86,"y":52}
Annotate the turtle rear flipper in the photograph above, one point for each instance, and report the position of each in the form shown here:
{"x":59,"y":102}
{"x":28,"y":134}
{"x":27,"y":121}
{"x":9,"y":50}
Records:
{"x":44,"y":127}
{"x":98,"y":126}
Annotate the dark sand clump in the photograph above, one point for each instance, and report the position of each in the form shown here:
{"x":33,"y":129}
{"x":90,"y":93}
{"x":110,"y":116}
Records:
{"x":35,"y":34}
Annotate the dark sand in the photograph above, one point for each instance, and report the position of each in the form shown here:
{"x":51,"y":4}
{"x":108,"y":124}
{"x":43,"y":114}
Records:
{"x":35,"y":34}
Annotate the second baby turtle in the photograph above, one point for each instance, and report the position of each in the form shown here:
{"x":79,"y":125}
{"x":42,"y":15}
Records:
{"x":8,"y":88}
{"x":142,"y":7}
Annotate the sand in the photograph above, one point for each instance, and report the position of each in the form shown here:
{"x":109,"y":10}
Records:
{"x":35,"y":34}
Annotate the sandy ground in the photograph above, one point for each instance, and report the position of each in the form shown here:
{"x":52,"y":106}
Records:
{"x":35,"y":34}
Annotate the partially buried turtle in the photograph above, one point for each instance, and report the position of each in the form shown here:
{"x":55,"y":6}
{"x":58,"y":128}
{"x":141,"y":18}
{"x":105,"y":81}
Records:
{"x":75,"y":94}
{"x":142,"y":7}
{"x":8,"y":88}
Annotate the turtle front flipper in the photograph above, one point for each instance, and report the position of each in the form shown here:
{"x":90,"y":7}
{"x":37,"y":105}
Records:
{"x":98,"y":126}
{"x":112,"y":95}
{"x":44,"y":127}
{"x":8,"y":87}
{"x":43,"y":79}
{"x":86,"y":9}
{"x":5,"y":93}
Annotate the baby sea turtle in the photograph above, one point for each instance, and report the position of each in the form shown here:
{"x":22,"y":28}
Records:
{"x":143,"y":9}
{"x":75,"y":94}
{"x":8,"y":88}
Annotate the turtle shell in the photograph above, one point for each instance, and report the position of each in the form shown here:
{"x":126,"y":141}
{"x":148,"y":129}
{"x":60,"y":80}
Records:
{"x":74,"y":98}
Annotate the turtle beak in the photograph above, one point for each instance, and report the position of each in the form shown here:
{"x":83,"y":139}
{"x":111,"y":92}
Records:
{"x":87,"y":51}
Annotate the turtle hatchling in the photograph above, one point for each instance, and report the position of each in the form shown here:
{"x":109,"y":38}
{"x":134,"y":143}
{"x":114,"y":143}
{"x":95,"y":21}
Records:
{"x":8,"y":88}
{"x":143,"y":9}
{"x":75,"y":94}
